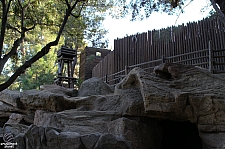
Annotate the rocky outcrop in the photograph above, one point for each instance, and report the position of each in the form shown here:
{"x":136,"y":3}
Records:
{"x":177,"y":106}
{"x":183,"y":93}
{"x":94,"y":86}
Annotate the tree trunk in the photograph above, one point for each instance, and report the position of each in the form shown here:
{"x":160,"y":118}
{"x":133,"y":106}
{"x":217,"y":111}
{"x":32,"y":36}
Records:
{"x":41,"y":53}
{"x":1,"y":65}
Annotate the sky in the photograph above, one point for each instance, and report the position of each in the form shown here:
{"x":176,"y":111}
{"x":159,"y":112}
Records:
{"x":119,"y":28}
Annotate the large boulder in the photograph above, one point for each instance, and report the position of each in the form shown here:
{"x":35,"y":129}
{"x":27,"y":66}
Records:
{"x":45,"y":100}
{"x":122,"y":132}
{"x":182,"y":93}
{"x":51,"y":138}
{"x":10,"y":97}
{"x":59,"y":90}
{"x":94,"y":86}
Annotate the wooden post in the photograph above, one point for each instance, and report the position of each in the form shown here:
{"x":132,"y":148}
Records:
{"x":126,"y":70}
{"x":106,"y":79}
{"x":210,"y":58}
{"x":163,"y":59}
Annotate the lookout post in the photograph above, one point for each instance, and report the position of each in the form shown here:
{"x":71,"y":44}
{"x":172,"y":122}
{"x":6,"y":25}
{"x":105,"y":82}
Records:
{"x":67,"y":59}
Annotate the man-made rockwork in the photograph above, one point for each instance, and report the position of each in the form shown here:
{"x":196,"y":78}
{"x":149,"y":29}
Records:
{"x":175,"y":107}
{"x":94,"y":86}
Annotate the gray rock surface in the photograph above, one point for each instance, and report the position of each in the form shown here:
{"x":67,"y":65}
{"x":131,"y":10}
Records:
{"x":140,"y":114}
{"x":94,"y":86}
{"x":183,"y":93}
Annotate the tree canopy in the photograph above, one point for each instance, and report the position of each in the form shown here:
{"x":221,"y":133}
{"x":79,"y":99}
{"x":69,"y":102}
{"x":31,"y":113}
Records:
{"x":140,"y":9}
{"x":32,"y":22}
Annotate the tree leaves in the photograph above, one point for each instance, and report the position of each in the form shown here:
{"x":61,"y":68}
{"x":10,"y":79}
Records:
{"x":32,"y":25}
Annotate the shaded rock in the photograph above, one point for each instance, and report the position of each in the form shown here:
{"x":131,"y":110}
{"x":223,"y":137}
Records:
{"x":44,"y":100}
{"x":181,"y":93}
{"x":70,"y":140}
{"x":213,"y":140}
{"x":130,"y":102}
{"x":9,"y":103}
{"x":52,"y":139}
{"x":59,"y":90}
{"x":142,"y":133}
{"x":143,"y":113}
{"x":35,"y":138}
{"x":3,"y":120}
{"x":94,"y":86}
{"x":19,"y":139}
{"x":16,"y":126}
{"x":91,"y":124}
{"x":190,"y":94}
{"x":1,"y":134}
{"x":90,"y":140}
{"x":10,"y":97}
{"x":16,"y":118}
{"x":82,"y":122}
{"x":110,"y":141}
{"x":172,"y":70}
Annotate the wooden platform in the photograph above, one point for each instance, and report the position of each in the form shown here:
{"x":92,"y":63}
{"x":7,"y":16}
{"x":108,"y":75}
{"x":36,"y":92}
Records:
{"x":66,"y":52}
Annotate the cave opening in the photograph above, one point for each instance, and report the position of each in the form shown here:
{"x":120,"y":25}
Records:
{"x":3,"y":120}
{"x":180,"y":135}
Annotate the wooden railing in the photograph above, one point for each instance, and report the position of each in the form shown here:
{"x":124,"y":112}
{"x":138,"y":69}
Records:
{"x":208,"y":61}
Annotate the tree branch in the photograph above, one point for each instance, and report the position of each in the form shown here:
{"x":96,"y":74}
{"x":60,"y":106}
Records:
{"x":77,"y":16}
{"x":16,"y":44}
{"x":31,"y":28}
{"x":219,"y":12}
{"x":13,"y":28}
{"x":4,"y":22}
{"x":40,"y":54}
{"x":67,"y":3}
{"x":66,"y":17}
{"x":26,"y":65}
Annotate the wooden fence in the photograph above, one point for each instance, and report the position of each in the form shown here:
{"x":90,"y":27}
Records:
{"x":187,"y":44}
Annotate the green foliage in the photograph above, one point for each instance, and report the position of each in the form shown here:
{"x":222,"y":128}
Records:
{"x":140,"y":9}
{"x":90,"y":58}
{"x":47,"y":17}
{"x":79,"y":82}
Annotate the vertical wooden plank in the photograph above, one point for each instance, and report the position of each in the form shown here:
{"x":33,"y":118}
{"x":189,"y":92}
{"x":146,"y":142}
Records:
{"x":122,"y":54}
{"x":145,"y":42}
{"x":217,"y":41}
{"x":137,"y":49}
{"x":130,"y":50}
{"x":192,"y":42}
{"x":188,"y":41}
{"x":202,"y":41}
{"x":180,"y":46}
{"x":197,"y":46}
{"x":175,"y":44}
{"x":133,"y":50}
{"x":206,"y":36}
{"x":116,"y":59}
{"x":112,"y":64}
{"x":185,"y":42}
{"x":221,"y":39}
{"x":213,"y":43}
{"x":125,"y":51}
{"x":149,"y":48}
{"x":206,"y":40}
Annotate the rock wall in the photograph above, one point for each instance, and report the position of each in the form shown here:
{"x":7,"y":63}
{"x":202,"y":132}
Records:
{"x":177,"y":106}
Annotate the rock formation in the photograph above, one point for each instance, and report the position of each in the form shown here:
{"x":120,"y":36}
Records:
{"x":177,"y":106}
